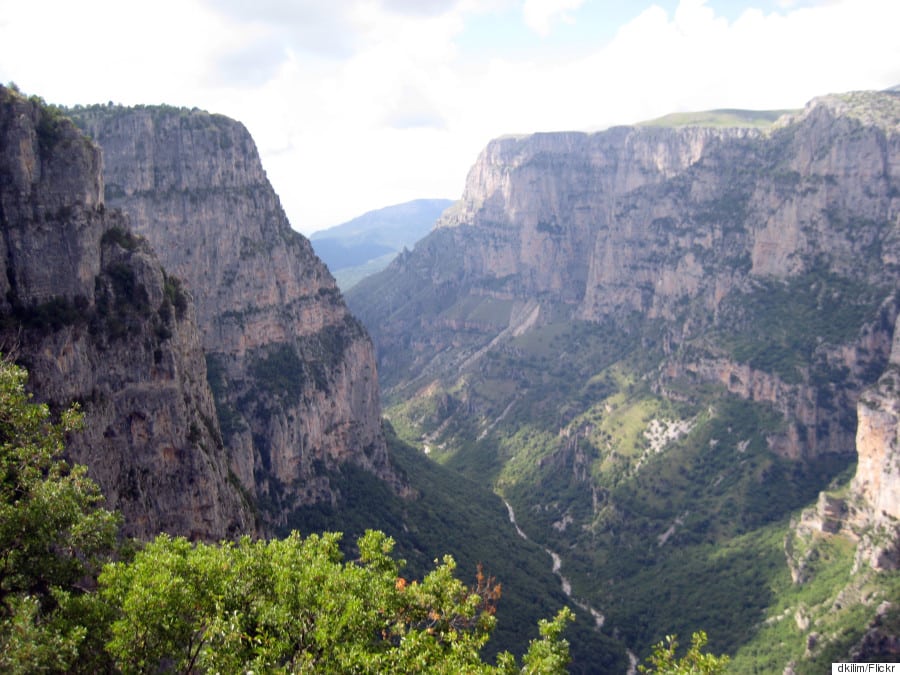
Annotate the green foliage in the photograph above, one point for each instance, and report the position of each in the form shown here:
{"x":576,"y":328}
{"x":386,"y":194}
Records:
{"x":449,"y":513}
{"x":294,"y":605}
{"x":122,"y":304}
{"x":550,"y":654}
{"x":289,"y":605}
{"x":778,"y":325}
{"x":280,"y":371}
{"x":559,"y":426}
{"x":51,"y":124}
{"x":174,"y":293}
{"x":47,"y":317}
{"x":287,"y":370}
{"x":230,"y":421}
{"x":128,"y":290}
{"x":53,"y":534}
{"x":121,"y":236}
{"x":663,"y":660}
{"x":834,"y":604}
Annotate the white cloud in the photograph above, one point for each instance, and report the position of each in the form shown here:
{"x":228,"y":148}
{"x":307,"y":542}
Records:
{"x":363,"y":103}
{"x":540,"y":14}
{"x":694,"y":60}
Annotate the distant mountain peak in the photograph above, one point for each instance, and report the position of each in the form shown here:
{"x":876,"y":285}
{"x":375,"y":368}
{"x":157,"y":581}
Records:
{"x":367,"y":243}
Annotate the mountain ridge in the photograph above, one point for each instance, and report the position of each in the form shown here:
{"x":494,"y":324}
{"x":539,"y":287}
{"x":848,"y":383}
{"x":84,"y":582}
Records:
{"x":367,"y":243}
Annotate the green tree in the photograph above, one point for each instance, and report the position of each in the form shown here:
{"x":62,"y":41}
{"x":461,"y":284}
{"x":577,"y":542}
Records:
{"x":53,"y":536}
{"x":291,"y":605}
{"x":294,"y":605}
{"x":664,"y":662}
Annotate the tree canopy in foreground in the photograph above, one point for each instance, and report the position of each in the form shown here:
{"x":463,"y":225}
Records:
{"x":292,"y":605}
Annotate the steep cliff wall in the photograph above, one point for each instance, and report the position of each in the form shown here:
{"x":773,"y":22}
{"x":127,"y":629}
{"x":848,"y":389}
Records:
{"x":875,"y":489}
{"x":817,"y":191}
{"x":88,"y":308}
{"x":652,"y":341}
{"x":292,"y":371}
{"x":534,"y":206}
{"x":636,"y":218}
{"x":690,"y":228}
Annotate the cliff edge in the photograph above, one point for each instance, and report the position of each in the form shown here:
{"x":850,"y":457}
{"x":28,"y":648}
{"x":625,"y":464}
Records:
{"x":292,"y":371}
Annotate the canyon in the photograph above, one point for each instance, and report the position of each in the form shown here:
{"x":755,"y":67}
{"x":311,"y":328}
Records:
{"x":590,"y":289}
{"x":672,"y":349}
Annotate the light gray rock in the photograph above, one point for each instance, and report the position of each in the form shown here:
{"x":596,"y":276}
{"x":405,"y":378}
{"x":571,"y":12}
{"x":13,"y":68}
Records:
{"x":293,"y":372}
{"x":87,"y":307}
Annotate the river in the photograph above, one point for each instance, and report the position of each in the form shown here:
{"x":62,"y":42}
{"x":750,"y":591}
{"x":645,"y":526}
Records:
{"x":599,"y":619}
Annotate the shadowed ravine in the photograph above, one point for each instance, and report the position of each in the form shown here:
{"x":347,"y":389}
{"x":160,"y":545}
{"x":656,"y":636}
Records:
{"x":599,"y":619}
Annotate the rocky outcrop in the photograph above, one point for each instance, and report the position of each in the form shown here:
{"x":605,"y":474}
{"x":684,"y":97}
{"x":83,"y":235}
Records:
{"x":88,"y":308}
{"x":292,"y":371}
{"x":875,"y":488}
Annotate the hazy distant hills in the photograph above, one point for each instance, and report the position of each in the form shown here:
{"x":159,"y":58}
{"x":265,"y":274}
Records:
{"x":367,"y":244}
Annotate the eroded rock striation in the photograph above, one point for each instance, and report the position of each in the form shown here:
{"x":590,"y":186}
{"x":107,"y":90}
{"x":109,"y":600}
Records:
{"x":293,"y":372}
{"x":89,"y":309}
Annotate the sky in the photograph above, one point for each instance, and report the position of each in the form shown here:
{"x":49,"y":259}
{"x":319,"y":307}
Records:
{"x":359,"y":104}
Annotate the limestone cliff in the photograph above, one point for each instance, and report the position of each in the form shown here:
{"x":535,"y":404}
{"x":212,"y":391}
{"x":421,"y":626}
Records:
{"x":875,"y":489}
{"x":637,"y":218}
{"x":535,"y":207}
{"x":691,"y":228}
{"x":652,"y":340}
{"x":293,"y":372}
{"x":88,"y":308}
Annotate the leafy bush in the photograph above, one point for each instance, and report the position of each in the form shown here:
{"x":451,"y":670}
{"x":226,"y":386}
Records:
{"x":663,"y":660}
{"x":51,"y":124}
{"x":120,"y":236}
{"x":176,"y":295}
{"x":54,"y":533}
{"x":280,"y":371}
{"x":280,"y":605}
{"x":294,"y":604}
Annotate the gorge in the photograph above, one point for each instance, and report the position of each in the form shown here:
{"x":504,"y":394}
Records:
{"x":672,"y":349}
{"x":735,"y":286}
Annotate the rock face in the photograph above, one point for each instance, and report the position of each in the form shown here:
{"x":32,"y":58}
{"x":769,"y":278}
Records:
{"x":876,"y":486}
{"x":292,"y":371}
{"x":88,"y":308}
{"x":638,"y":218}
{"x":589,"y":290}
{"x":541,"y":210}
{"x":687,"y":227}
